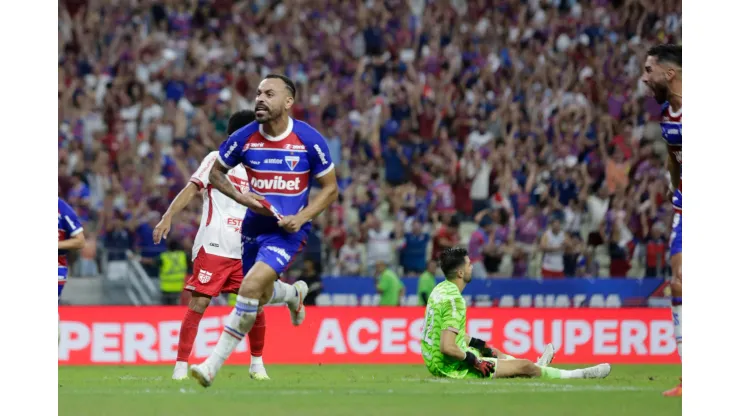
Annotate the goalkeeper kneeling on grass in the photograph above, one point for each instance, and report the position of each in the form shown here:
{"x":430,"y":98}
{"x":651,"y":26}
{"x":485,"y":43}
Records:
{"x":449,"y":352}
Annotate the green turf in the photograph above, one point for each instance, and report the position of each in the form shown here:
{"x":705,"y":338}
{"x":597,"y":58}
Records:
{"x":359,"y":390}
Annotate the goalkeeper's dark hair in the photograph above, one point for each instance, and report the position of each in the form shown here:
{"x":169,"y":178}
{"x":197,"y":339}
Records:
{"x":451,"y":260}
{"x":666,"y":52}
{"x":289,"y":84}
{"x":238,"y":120}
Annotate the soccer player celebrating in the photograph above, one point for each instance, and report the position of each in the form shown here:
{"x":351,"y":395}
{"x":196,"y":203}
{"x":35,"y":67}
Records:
{"x":217,"y":265}
{"x":282,"y":156}
{"x":70,"y":237}
{"x":663,"y":76}
{"x":449,"y":352}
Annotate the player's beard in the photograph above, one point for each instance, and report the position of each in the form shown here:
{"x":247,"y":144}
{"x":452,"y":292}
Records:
{"x":660,"y":92}
{"x":267,"y":116}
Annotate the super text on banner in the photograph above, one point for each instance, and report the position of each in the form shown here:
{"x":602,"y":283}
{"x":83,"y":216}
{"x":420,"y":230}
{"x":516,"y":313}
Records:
{"x":148,"y":335}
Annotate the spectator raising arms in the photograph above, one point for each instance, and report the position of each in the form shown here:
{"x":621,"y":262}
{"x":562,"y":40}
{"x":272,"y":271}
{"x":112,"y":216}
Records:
{"x":426,"y":116}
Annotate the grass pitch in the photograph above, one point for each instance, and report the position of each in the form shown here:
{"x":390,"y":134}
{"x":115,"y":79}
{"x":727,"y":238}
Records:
{"x":357,"y":390}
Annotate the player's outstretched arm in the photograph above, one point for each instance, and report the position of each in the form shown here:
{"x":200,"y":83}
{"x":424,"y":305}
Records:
{"x":178,"y":204}
{"x":74,"y":243}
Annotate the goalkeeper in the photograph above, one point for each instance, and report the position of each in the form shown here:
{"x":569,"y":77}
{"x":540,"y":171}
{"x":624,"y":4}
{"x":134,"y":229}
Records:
{"x":449,"y":352}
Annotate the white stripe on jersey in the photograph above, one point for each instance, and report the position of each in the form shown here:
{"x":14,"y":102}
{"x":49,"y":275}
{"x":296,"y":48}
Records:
{"x":279,"y":172}
{"x":279,"y":150}
{"x":280,"y":194}
{"x":325,"y":171}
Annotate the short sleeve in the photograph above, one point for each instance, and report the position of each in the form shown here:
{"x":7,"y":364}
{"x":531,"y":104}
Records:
{"x":200,"y":177}
{"x":450,"y":312}
{"x":70,"y":222}
{"x":319,"y":157}
{"x":230,"y":151}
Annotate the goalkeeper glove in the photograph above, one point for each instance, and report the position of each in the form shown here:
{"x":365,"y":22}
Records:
{"x":485,"y":368}
{"x":485,"y":349}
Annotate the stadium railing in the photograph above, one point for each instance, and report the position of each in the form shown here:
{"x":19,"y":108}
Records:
{"x":126,"y":277}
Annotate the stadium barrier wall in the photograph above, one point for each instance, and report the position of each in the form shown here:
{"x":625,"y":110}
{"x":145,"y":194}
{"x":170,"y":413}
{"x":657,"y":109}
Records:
{"x":371,"y":335}
{"x":525,"y":292}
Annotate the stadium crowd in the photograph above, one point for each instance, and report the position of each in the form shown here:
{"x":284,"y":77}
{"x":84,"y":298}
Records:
{"x":486,"y":123}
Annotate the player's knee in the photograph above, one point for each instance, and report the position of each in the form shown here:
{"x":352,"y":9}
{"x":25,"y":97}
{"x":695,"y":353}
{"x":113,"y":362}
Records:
{"x":265,"y":298}
{"x":198,"y":303}
{"x":250,"y":289}
{"x":676,"y":287}
{"x":676,"y":263}
{"x":257,"y":281}
{"x":678,"y":275}
{"x":529,"y":369}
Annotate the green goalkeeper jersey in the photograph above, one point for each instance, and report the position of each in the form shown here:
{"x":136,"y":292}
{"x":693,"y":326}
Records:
{"x":445,"y":309}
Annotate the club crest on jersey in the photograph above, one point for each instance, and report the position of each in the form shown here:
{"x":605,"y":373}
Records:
{"x":292,"y":161}
{"x":204,"y":276}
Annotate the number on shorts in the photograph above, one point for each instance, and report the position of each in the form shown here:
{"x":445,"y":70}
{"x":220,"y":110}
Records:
{"x":428,"y":324}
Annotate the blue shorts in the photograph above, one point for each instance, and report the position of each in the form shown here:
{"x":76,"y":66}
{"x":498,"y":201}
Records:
{"x":676,"y":235}
{"x":62,"y":279}
{"x":277,"y":249}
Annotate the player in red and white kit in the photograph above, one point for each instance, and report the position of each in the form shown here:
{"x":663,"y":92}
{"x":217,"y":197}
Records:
{"x":217,"y":265}
{"x":663,"y":77}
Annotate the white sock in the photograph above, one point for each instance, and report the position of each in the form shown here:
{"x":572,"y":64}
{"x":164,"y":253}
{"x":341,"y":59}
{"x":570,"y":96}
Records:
{"x":677,"y":320}
{"x":571,"y":374}
{"x":240,"y":321}
{"x":257,"y":361}
{"x":555,"y":373}
{"x":282,"y":293}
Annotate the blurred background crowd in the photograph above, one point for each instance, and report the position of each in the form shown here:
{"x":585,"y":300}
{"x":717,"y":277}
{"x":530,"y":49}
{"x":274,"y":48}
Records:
{"x":518,"y":128}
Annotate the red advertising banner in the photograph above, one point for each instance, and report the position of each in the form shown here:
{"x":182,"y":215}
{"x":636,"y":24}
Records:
{"x":149,"y":335}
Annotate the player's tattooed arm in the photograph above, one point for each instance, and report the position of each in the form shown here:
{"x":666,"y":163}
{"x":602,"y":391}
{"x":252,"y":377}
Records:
{"x":218,"y":179}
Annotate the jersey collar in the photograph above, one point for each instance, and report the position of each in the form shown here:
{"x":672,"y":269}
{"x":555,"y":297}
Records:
{"x":282,"y":135}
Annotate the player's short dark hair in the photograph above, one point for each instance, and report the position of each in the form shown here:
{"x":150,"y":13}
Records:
{"x":451,"y":260}
{"x":666,"y":52}
{"x":239,"y":119}
{"x":289,"y":84}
